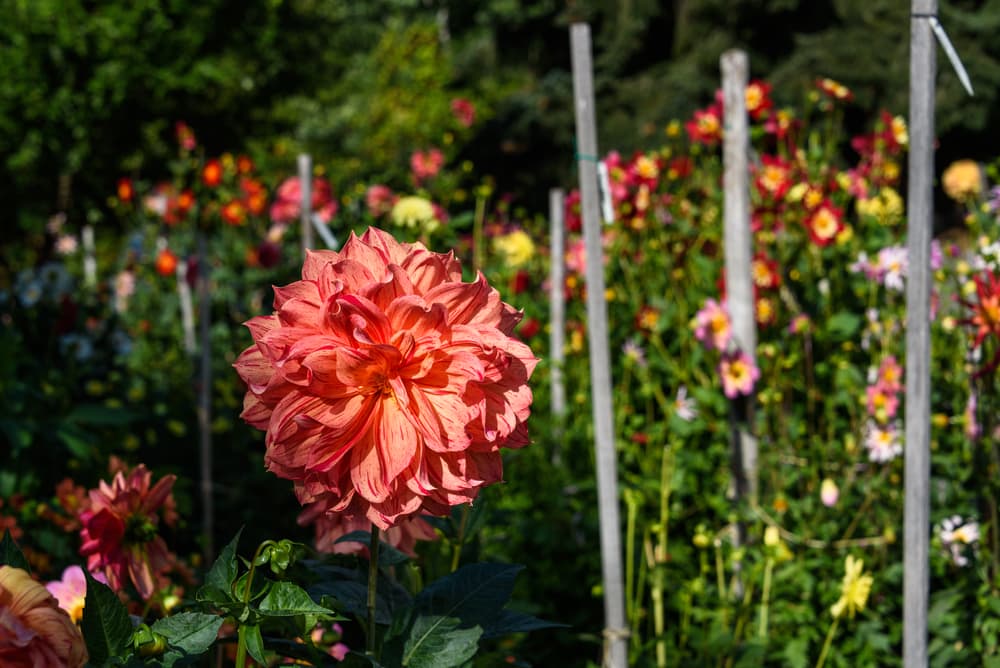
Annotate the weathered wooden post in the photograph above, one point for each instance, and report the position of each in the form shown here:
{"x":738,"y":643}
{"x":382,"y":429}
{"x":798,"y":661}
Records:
{"x":305,"y":189}
{"x":615,"y":630}
{"x":187,"y":310}
{"x":920,"y":203}
{"x":738,"y":249}
{"x":89,"y":260}
{"x":557,"y":308}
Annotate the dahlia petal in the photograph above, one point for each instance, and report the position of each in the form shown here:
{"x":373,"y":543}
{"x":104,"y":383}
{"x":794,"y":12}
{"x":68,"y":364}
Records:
{"x":395,"y":285}
{"x":387,"y":452}
{"x":391,"y":251}
{"x":158,"y":495}
{"x":141,"y":575}
{"x":305,"y":291}
{"x":465,"y":301}
{"x":440,"y":419}
{"x":315,"y":261}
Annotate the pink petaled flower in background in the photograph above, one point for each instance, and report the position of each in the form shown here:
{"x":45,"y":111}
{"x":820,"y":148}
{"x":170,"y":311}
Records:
{"x":464,"y":111}
{"x":829,"y":493}
{"x":287,"y":206}
{"x":34,"y":631}
{"x":119,"y":532}
{"x":883,"y":442}
{"x":890,"y":374}
{"x":379,"y":199}
{"x":739,"y":373}
{"x":712,"y":326}
{"x":426,"y":164}
{"x":330,"y":526}
{"x":706,"y":126}
{"x":71,"y":590}
{"x":386,"y":385}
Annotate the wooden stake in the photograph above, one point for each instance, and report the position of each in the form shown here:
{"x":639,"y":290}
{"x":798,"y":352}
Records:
{"x":615,"y":630}
{"x":305,"y":188}
{"x":920,"y":207}
{"x":738,"y":247}
{"x":557,"y":300}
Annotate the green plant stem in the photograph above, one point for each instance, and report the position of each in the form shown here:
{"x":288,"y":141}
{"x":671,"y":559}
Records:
{"x":372,"y":584}
{"x":827,"y":643}
{"x":477,"y":233}
{"x":631,"y":593}
{"x":241,"y":644}
{"x":456,"y":553}
{"x":659,"y":575}
{"x":765,"y":598}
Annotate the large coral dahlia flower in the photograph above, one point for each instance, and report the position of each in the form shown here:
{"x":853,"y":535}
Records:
{"x":386,"y":385}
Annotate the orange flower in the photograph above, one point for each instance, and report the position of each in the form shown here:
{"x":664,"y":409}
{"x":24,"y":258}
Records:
{"x":234,"y":213}
{"x":211,"y":175}
{"x":166,"y":263}
{"x":125,"y":190}
{"x":119,"y":532}
{"x":244,"y":165}
{"x":34,"y":630}
{"x":757,"y":96}
{"x":387,"y":386}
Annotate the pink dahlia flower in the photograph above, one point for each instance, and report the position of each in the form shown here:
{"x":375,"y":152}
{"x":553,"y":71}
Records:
{"x":119,"y":532}
{"x":34,"y":631}
{"x":386,"y":385}
{"x":287,"y":205}
{"x":71,"y":591}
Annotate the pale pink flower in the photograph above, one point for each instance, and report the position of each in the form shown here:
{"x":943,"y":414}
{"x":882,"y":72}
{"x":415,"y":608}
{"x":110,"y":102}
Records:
{"x":829,"y":493}
{"x":890,"y":374}
{"x":883,"y":442}
{"x":712,"y":325}
{"x":739,"y":373}
{"x":955,"y":534}
{"x":685,"y":407}
{"x":386,"y":385}
{"x":882,"y":401}
{"x":71,"y":590}
{"x":973,"y":429}
{"x":892,"y":266}
{"x":66,"y":244}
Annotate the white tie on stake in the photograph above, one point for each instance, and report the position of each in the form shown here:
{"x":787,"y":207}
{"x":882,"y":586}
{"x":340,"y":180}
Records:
{"x":604,"y":192}
{"x":949,"y":50}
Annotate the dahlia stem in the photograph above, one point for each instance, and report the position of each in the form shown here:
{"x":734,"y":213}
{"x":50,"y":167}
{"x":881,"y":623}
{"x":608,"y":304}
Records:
{"x":827,"y":643}
{"x":456,"y":553}
{"x":372,"y":583}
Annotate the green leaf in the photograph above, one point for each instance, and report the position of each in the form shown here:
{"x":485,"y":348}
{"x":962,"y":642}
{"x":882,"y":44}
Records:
{"x":843,"y":325}
{"x":506,"y":622}
{"x":219,"y":579}
{"x":475,"y":593}
{"x":97,"y":414}
{"x":387,"y":554}
{"x":106,"y":626}
{"x":436,"y":641}
{"x":255,"y":643}
{"x":10,"y":553}
{"x":191,"y":632}
{"x":285,"y":599}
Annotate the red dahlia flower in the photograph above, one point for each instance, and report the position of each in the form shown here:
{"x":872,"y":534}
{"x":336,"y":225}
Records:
{"x":985,"y":317}
{"x":386,"y":385}
{"x":119,"y":532}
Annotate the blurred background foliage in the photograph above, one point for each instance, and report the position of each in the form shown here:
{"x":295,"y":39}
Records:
{"x":91,"y":89}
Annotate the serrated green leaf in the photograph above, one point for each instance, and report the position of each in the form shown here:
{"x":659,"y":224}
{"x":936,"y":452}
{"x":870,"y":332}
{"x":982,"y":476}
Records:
{"x":10,"y":553}
{"x":475,"y":593}
{"x":436,"y":641}
{"x":191,"y":632}
{"x":506,"y":622}
{"x":254,"y":641}
{"x":220,"y":577}
{"x":285,"y":599}
{"x":106,"y":626}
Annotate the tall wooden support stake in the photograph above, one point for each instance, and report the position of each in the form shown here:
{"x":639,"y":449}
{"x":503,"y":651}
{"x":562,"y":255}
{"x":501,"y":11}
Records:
{"x":738,"y":247}
{"x":920,"y":207}
{"x":305,"y":188}
{"x":205,"y":401}
{"x":557,"y":300}
{"x":615,"y":631}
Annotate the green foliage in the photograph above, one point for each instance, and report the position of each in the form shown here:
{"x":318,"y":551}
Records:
{"x":10,"y":553}
{"x":106,"y":626}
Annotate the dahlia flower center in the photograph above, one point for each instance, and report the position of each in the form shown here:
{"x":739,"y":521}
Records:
{"x":139,"y":530}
